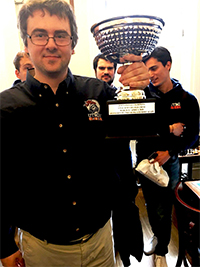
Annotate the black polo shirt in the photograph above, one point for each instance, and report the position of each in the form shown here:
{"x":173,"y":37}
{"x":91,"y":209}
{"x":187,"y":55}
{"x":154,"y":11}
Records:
{"x":57,"y":179}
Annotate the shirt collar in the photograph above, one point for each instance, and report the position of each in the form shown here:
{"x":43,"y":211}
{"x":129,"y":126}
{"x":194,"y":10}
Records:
{"x":157,"y":93}
{"x":36,"y":87}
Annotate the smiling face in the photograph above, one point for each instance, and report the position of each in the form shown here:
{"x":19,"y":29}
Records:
{"x":159,"y":74}
{"x":49,"y":60}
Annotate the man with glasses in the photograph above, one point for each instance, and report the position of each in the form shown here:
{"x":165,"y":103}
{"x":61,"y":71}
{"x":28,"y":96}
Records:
{"x":55,"y":153}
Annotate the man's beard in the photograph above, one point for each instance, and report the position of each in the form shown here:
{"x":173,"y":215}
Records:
{"x":110,"y":81}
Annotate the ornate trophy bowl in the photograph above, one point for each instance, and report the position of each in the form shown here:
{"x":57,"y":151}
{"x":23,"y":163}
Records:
{"x":134,"y":34}
{"x":116,"y":37}
{"x":123,"y":35}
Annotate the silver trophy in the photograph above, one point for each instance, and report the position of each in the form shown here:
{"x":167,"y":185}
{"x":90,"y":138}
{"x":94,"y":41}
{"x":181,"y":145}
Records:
{"x":136,"y":34}
{"x":131,"y":115}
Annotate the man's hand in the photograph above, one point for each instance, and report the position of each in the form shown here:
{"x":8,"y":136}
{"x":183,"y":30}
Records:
{"x":14,"y":260}
{"x":162,"y":158}
{"x":135,"y":74}
{"x":177,"y":128}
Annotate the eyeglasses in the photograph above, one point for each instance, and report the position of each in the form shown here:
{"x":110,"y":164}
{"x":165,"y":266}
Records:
{"x":42,"y":38}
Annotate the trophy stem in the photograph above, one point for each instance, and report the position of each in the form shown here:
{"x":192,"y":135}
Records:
{"x":131,"y":115}
{"x":127,"y":94}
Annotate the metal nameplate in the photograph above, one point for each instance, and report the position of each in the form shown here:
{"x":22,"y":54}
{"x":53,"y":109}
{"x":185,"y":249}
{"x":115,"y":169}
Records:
{"x":131,"y":108}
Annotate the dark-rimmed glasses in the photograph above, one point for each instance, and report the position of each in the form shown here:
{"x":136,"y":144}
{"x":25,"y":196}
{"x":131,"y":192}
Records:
{"x":42,"y":38}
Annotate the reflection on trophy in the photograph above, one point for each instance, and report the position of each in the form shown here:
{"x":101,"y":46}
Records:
{"x":115,"y":38}
{"x":134,"y":34}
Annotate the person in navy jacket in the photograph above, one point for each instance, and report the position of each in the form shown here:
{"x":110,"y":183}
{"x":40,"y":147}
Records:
{"x":177,"y":113}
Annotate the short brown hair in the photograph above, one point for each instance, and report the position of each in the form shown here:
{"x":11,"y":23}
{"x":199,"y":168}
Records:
{"x":102,"y":56}
{"x":55,"y":7}
{"x":18,"y":58}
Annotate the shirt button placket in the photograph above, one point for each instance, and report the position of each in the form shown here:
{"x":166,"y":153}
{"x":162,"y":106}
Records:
{"x":61,"y":126}
{"x":57,"y":105}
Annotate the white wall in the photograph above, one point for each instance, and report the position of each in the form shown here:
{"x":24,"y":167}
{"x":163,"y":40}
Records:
{"x":9,"y":44}
{"x":86,"y":49}
{"x":181,"y":35}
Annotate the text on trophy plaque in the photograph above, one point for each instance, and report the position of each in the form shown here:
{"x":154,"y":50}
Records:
{"x":131,"y":108}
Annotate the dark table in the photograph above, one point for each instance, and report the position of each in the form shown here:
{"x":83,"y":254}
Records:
{"x":188,"y":219}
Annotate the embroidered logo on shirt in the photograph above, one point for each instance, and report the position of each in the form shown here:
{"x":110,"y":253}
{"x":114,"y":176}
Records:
{"x":176,"y":105}
{"x":93,"y":108}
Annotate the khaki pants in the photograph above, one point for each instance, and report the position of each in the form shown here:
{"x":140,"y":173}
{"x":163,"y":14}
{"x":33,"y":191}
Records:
{"x":96,"y":252}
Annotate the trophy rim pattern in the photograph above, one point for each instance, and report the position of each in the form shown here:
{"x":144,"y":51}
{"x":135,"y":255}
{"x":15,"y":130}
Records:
{"x":123,"y":17}
{"x":122,"y":26}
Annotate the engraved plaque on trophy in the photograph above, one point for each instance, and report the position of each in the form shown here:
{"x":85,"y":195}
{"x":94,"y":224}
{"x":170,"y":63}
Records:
{"x":131,"y":114}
